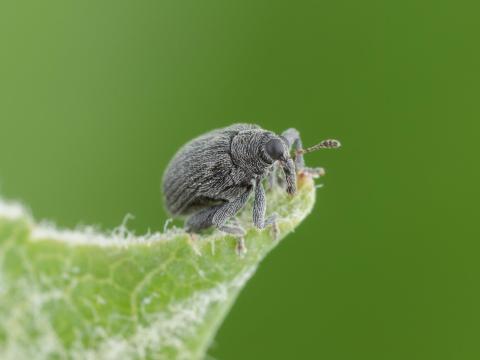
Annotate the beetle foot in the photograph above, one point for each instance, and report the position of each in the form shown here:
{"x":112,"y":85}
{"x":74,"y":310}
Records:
{"x":313,"y":172}
{"x":193,"y":236}
{"x":272,"y":220}
{"x":241,"y":248}
{"x":239,"y":233}
{"x":234,"y":222}
{"x":235,"y":230}
{"x":273,"y":178}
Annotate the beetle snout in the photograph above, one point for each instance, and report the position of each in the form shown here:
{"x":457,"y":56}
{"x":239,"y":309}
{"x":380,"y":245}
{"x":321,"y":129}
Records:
{"x":284,"y":157}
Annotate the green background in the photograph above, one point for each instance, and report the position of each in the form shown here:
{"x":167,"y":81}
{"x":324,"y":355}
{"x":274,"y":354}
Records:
{"x":96,"y":96}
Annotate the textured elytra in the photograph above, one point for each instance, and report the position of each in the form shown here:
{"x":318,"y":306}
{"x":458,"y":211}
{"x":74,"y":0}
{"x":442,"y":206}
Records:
{"x":86,"y":295}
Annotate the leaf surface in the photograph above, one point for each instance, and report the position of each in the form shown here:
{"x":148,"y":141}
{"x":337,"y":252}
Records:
{"x":81,"y":294}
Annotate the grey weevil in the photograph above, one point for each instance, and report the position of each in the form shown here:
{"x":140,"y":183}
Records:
{"x":211,"y":177}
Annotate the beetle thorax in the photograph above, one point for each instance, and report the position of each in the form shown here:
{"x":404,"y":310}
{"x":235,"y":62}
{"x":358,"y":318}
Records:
{"x":248,"y":151}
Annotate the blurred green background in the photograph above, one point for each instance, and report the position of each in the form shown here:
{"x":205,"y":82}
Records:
{"x":96,"y":96}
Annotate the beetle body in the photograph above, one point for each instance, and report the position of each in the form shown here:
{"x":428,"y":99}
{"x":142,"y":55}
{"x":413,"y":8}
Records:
{"x":211,"y":177}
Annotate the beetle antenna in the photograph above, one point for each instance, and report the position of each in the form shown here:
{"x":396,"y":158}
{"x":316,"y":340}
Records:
{"x":325,"y":144}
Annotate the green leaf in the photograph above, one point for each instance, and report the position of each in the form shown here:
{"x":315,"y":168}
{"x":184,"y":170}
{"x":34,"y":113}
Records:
{"x":81,"y":294}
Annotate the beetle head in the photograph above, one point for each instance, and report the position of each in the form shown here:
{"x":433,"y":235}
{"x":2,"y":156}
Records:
{"x":276,"y":149}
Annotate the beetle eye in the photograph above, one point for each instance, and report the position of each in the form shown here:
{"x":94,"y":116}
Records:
{"x":275,"y":149}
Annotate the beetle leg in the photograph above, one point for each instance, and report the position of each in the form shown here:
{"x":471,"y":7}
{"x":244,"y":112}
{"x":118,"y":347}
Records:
{"x":218,"y":215}
{"x":272,"y":177}
{"x":290,"y":176}
{"x":203,"y":219}
{"x":293,"y":137}
{"x":241,"y":248}
{"x":229,"y":209}
{"x":236,"y":230}
{"x":239,"y":233}
{"x":259,"y":210}
{"x":259,"y":206}
{"x":272,"y":220}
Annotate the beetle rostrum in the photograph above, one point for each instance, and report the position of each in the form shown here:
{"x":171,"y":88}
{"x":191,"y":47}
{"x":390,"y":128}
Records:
{"x":210,"y":178}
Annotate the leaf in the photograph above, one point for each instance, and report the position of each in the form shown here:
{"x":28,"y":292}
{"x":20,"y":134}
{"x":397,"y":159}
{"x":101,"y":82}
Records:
{"x":81,"y":294}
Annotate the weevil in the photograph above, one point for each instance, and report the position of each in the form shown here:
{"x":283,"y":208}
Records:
{"x":210,"y":179}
